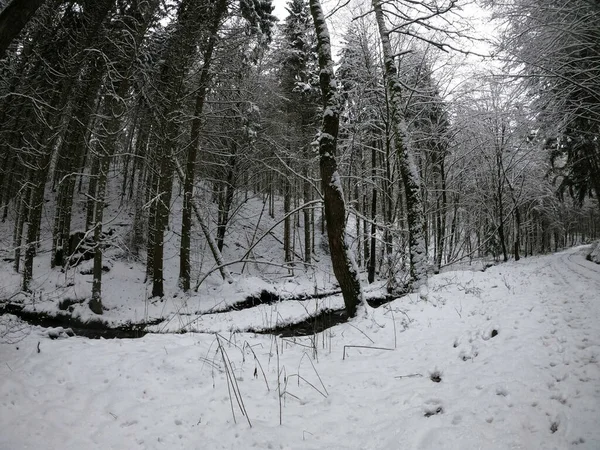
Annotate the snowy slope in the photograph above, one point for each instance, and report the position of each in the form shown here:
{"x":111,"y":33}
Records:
{"x":515,"y":349}
{"x":126,"y":294}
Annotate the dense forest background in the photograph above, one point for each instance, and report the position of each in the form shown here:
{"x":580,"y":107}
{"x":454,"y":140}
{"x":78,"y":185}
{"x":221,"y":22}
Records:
{"x":412,"y":142}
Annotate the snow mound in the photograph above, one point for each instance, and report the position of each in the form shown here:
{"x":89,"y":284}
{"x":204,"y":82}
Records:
{"x":594,"y":254}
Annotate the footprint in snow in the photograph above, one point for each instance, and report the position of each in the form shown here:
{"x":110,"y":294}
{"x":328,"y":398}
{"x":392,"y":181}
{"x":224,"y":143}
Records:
{"x":432,"y":408}
{"x":490,"y":332}
{"x":559,"y":398}
{"x":470,"y":355}
{"x":501,"y":391}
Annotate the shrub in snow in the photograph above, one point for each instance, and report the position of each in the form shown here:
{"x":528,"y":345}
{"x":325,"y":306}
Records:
{"x":12,"y":329}
{"x":594,"y":254}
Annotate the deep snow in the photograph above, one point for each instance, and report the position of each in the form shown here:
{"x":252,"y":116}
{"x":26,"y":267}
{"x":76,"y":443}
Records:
{"x":516,"y":347}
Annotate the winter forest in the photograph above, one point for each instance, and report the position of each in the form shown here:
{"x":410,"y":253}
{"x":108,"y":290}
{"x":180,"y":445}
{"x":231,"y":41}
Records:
{"x":306,"y":224}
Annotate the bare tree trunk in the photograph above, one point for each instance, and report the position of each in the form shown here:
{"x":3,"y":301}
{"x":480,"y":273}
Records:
{"x":178,"y":55}
{"x":408,"y":167}
{"x":95,"y":303}
{"x":70,"y":158}
{"x":372,"y":257}
{"x":188,"y":182}
{"x":39,"y":177}
{"x":344,"y":267}
{"x":227,"y":200}
{"x":440,"y":213}
{"x":18,"y":230}
{"x":209,"y":238}
{"x":111,"y":129}
{"x":163,"y":207}
{"x":89,"y":208}
{"x":287,"y":223}
{"x":307,"y":222}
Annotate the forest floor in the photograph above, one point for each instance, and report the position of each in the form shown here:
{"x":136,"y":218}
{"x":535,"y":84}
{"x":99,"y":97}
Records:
{"x":503,"y":359}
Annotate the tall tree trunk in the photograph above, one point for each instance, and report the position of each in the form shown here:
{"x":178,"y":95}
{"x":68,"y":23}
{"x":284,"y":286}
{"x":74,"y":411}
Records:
{"x":344,"y":267}
{"x":408,"y":167}
{"x":440,"y":213}
{"x":95,"y":303}
{"x":188,"y":182}
{"x":209,"y":238}
{"x":372,"y":257}
{"x":39,"y":176}
{"x":21,"y":209}
{"x":163,"y":207}
{"x":287,"y":222}
{"x":178,"y":56}
{"x":70,"y":157}
{"x":306,"y":213}
{"x":227,"y":200}
{"x":111,"y":127}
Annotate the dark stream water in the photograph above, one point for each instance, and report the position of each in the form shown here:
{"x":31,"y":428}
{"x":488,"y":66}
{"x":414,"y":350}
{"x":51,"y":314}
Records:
{"x":96,"y":329}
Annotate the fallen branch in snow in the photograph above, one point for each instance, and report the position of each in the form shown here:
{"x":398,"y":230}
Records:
{"x":363,"y":346}
{"x":412,"y":375}
{"x":220,"y":267}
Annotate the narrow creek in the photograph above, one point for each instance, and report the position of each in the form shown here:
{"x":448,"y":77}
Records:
{"x":96,"y":329}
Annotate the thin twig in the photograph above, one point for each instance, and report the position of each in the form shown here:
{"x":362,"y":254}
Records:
{"x":314,"y":368}
{"x":259,"y":365}
{"x":412,"y":375}
{"x":363,"y":346}
{"x":364,"y":334}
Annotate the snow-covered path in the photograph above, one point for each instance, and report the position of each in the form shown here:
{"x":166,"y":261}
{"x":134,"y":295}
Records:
{"x":516,"y":350}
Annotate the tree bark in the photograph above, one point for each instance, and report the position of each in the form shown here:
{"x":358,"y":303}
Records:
{"x":188,"y":182}
{"x":211,"y":241}
{"x":307,"y":222}
{"x":344,"y":267}
{"x":408,"y":167}
{"x":372,"y":257}
{"x":287,"y":223}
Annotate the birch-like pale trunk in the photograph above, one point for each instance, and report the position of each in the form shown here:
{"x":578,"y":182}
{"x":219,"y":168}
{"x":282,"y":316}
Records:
{"x":408,"y":168}
{"x":344,"y":266}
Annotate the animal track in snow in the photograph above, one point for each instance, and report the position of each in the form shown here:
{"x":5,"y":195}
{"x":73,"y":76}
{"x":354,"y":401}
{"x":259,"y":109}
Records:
{"x":501,"y":391}
{"x":468,"y":355}
{"x":559,"y":398}
{"x":433,"y":407}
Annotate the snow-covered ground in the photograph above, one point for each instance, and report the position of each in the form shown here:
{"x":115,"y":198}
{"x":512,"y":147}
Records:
{"x":503,"y":359}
